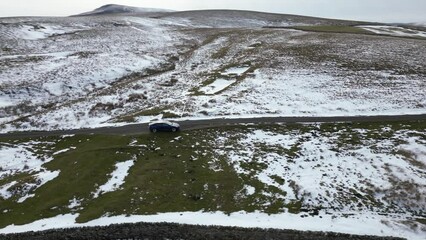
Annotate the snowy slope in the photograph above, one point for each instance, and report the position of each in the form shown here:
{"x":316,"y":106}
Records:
{"x":110,"y":69}
{"x":80,"y":58}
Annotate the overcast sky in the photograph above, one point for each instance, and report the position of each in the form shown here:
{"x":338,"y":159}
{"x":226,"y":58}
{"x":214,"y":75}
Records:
{"x":369,"y":10}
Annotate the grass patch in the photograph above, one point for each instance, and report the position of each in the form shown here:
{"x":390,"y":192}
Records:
{"x":83,"y":54}
{"x":333,"y":29}
{"x":21,"y":60}
{"x":7,"y":49}
{"x":255,"y":45}
{"x":294,"y":207}
{"x":421,"y":220}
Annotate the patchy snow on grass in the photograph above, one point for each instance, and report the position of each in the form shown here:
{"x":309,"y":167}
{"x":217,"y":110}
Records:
{"x":394,"y":31}
{"x":116,"y":179}
{"x":357,"y":183}
{"x":417,"y":147}
{"x":4,"y":190}
{"x":42,"y":178}
{"x":302,"y":93}
{"x":313,"y":170}
{"x":74,"y":203}
{"x":20,"y":158}
{"x":77,"y":67}
{"x":341,"y":172}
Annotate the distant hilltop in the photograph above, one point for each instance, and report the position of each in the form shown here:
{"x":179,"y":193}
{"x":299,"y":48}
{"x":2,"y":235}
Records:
{"x":421,"y":24}
{"x":115,"y":8}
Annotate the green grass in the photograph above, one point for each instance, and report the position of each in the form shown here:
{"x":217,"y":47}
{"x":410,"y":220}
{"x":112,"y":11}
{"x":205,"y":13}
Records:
{"x":348,"y":29}
{"x":421,"y":220}
{"x":175,"y":178}
{"x":334,"y":29}
{"x":80,"y":171}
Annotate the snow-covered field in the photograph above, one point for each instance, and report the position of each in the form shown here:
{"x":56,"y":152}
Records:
{"x":303,"y":93}
{"x":58,"y":66}
{"x":326,"y":173}
{"x":62,"y":73}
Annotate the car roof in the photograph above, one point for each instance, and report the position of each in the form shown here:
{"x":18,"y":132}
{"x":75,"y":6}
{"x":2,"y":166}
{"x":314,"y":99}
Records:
{"x":161,"y":121}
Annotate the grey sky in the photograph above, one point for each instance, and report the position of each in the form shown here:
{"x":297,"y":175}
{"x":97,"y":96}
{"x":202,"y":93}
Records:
{"x":369,"y":10}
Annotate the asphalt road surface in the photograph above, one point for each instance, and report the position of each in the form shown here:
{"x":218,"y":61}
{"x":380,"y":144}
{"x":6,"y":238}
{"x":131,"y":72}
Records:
{"x":133,"y":129}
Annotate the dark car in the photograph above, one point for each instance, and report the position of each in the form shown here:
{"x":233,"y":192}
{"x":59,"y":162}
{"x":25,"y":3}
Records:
{"x":164,"y":126}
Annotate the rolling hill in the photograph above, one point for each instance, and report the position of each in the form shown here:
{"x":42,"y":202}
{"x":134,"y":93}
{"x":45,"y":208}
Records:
{"x":116,"y":9}
{"x":121,"y":65}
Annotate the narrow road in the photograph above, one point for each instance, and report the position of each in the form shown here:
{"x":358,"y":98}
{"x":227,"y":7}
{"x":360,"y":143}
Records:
{"x":142,"y":128}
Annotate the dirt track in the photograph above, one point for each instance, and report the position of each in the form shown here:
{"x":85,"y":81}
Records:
{"x":132,"y":129}
{"x":178,"y":231}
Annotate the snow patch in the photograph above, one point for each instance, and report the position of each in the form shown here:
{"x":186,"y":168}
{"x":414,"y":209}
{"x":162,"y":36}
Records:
{"x":36,"y":32}
{"x":417,"y":147}
{"x":74,"y":203}
{"x":19,"y":158}
{"x":250,"y":190}
{"x":217,"y":86}
{"x":236,"y":70}
{"x":117,"y":178}
{"x":394,"y":31}
{"x":361,"y":224}
{"x":64,"y":150}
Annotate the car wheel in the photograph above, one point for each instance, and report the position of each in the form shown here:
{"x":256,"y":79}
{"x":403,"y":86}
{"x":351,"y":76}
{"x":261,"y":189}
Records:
{"x":174,"y":129}
{"x":154,"y":130}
